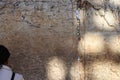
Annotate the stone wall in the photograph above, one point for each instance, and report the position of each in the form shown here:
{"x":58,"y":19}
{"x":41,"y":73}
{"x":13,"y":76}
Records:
{"x":35,"y":31}
{"x":42,"y":38}
{"x":100,"y":39}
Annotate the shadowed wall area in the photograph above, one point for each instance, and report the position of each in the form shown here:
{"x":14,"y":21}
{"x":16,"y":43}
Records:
{"x":42,"y":38}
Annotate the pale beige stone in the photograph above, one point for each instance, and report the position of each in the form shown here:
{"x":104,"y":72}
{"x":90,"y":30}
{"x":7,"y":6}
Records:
{"x":92,"y":44}
{"x":115,"y":2}
{"x":47,"y":31}
{"x":77,"y":71}
{"x":105,"y":71}
{"x":111,"y":19}
{"x":106,"y":22}
{"x":102,"y":12}
{"x":56,"y":69}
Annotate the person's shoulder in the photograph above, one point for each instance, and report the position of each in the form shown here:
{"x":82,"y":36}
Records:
{"x":18,"y":76}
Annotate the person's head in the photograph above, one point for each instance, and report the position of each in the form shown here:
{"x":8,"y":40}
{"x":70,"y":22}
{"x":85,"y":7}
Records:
{"x":4,"y":55}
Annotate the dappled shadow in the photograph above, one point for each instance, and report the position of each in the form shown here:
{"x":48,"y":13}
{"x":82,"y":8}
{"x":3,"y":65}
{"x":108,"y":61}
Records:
{"x":104,"y":21}
{"x":53,"y":56}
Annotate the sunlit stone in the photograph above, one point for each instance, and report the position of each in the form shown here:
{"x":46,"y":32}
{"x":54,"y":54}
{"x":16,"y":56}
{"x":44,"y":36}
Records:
{"x":115,"y":2}
{"x":105,"y":71}
{"x":110,"y":19}
{"x":77,"y":71}
{"x":95,"y":2}
{"x":114,"y":44}
{"x":102,"y":12}
{"x":56,"y":69}
{"x":92,"y":43}
{"x":104,"y":21}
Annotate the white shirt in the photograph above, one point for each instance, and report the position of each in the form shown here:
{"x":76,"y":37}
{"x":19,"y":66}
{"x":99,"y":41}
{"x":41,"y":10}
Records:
{"x":6,"y":74}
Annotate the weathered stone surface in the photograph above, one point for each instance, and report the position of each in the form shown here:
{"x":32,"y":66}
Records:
{"x":33,"y":30}
{"x":77,"y":71}
{"x":105,"y":70}
{"x":42,"y":38}
{"x":99,"y":42}
{"x":92,"y":44}
{"x":56,"y":69}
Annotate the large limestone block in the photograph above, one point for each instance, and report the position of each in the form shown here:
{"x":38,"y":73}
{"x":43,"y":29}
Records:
{"x":115,"y":2}
{"x":56,"y":69}
{"x":105,"y":71}
{"x":101,"y":20}
{"x":92,"y":44}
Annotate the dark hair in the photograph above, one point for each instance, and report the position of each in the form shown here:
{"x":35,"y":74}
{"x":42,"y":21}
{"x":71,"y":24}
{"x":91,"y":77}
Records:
{"x":4,"y":54}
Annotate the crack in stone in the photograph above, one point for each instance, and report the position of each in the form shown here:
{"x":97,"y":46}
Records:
{"x":86,"y":4}
{"x":31,"y":24}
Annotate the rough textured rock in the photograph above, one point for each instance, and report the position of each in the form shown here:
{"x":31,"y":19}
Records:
{"x":34,"y":31}
{"x":99,"y":42}
{"x":104,"y":71}
{"x":42,"y":38}
{"x":77,"y":71}
{"x":56,"y":69}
